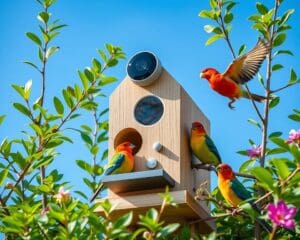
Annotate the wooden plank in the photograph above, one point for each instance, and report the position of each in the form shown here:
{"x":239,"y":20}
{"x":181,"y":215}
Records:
{"x":135,"y":181}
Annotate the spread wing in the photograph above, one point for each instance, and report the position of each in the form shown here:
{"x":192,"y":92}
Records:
{"x":245,"y":67}
{"x":115,"y":162}
{"x":212,"y":147}
{"x":239,"y":189}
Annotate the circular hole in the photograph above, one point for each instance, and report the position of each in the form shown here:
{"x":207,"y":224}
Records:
{"x":143,"y":68}
{"x":148,"y":110}
{"x":131,"y":135}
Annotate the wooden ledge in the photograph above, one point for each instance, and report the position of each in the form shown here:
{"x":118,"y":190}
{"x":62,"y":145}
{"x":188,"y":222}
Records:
{"x":135,"y":181}
{"x":187,"y":210}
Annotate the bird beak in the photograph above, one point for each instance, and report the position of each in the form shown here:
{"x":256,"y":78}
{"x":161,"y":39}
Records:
{"x":218,"y":168}
{"x":202,"y":75}
{"x":132,"y":146}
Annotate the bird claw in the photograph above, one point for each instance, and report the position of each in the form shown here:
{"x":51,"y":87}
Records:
{"x":230,"y":104}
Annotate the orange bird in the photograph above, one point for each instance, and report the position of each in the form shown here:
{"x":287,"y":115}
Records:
{"x":234,"y":191}
{"x":240,"y":71}
{"x":121,"y":162}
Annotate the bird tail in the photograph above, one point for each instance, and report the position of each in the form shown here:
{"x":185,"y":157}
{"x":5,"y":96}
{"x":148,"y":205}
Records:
{"x":98,"y":190}
{"x":255,"y":97}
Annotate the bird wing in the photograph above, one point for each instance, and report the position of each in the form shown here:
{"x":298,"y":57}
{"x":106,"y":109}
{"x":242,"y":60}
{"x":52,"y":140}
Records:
{"x":115,"y":162}
{"x":239,"y":189}
{"x":244,"y":68}
{"x":212,"y":147}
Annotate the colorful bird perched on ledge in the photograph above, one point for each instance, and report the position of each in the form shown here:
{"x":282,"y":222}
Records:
{"x":202,"y":146}
{"x":239,"y":72}
{"x":234,"y":191}
{"x":121,"y":162}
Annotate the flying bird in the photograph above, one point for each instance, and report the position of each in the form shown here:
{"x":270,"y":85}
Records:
{"x":239,"y":72}
{"x":202,"y":146}
{"x":234,"y":191}
{"x":122,"y":161}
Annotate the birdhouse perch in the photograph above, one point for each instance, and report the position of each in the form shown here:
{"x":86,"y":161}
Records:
{"x":151,"y":110}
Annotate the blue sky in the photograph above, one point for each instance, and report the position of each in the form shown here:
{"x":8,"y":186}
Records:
{"x":172,"y":30}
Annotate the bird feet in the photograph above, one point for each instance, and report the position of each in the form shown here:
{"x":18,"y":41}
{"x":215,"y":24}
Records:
{"x":230,"y":104}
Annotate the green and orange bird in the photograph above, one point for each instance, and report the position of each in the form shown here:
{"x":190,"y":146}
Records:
{"x":202,"y":146}
{"x":239,"y":72}
{"x":122,"y":161}
{"x":234,"y":191}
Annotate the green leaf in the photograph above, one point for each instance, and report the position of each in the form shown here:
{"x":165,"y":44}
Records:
{"x":262,"y":9}
{"x":107,"y":80}
{"x":51,"y":51}
{"x":19,"y":90}
{"x":281,"y":167}
{"x":124,"y":221}
{"x":280,"y":142}
{"x":167,"y":230}
{"x":89,"y":74}
{"x":31,"y":64}
{"x":41,"y":55}
{"x":86,"y":138}
{"x":295,"y":152}
{"x":261,"y":79}
{"x":21,"y":108}
{"x":247,"y":165}
{"x":252,"y":121}
{"x":59,"y":107}
{"x":207,"y":14}
{"x":230,"y":6}
{"x":44,"y":188}
{"x":2,"y":117}
{"x":283,"y":52}
{"x":85,"y":166}
{"x":209,"y":28}
{"x":275,"y":134}
{"x":37,"y":129}
{"x":27,"y":89}
{"x":213,"y":3}
{"x":276,"y":151}
{"x":293,"y":77}
{"x":68,"y":99}
{"x":213,"y":39}
{"x":276,"y":67}
{"x":43,"y":17}
{"x":97,"y":65}
{"x":228,"y":17}
{"x":242,"y":49}
{"x":274,"y":102}
{"x":286,"y":16}
{"x":3,"y":175}
{"x":295,"y":117}
{"x":34,"y":38}
{"x":264,"y":176}
{"x":279,"y":39}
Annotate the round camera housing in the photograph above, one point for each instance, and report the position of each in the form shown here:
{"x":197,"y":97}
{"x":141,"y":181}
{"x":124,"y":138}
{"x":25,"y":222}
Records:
{"x":144,"y":68}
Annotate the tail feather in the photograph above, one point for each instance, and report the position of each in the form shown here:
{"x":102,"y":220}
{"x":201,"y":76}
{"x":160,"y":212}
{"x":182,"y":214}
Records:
{"x":255,"y":97}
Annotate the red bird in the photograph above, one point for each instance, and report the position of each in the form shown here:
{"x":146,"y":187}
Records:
{"x":240,"y":71}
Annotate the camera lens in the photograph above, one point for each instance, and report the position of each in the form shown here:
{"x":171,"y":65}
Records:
{"x":143,"y":68}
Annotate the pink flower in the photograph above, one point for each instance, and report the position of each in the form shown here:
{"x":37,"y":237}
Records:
{"x":62,"y":195}
{"x":255,"y":152}
{"x":282,"y":215}
{"x":294,"y":136}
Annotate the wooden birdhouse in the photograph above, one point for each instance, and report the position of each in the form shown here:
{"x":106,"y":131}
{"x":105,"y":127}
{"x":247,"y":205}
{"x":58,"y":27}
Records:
{"x":150,"y":109}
